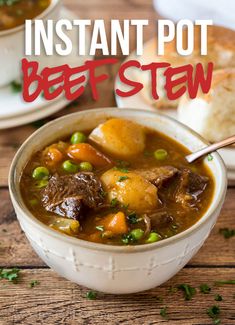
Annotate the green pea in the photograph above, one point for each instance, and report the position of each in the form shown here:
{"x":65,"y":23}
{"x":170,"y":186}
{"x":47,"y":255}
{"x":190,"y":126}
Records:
{"x":137,"y":234}
{"x":153,"y":237}
{"x":78,"y":137}
{"x":85,"y":166}
{"x":70,"y":167}
{"x":40,"y":173}
{"x":160,"y":154}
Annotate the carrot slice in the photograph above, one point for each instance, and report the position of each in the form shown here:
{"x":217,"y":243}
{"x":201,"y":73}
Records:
{"x":55,"y":155}
{"x":52,"y":156}
{"x":116,"y":223}
{"x":85,"y":152}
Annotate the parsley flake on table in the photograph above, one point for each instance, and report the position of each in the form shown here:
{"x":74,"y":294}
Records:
{"x":213,"y":312}
{"x":225,"y":282}
{"x":11,"y":275}
{"x":189,"y":291}
{"x":204,"y":288}
{"x":91,"y":295}
{"x":227,"y":233}
{"x":163,"y":312}
{"x":34,"y":283}
{"x":218,"y":297}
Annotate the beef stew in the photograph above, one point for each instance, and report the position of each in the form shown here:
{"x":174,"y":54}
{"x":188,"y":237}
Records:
{"x":119,"y":184}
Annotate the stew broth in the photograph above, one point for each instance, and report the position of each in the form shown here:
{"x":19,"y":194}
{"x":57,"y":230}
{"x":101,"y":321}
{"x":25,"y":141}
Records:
{"x":155,"y":194}
{"x":13,"y":13}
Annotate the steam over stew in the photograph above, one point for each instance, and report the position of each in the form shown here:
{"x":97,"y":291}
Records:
{"x":119,"y":184}
{"x":14,"y":12}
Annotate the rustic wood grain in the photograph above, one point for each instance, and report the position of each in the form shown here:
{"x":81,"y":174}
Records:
{"x":15,"y":249}
{"x":58,"y":301}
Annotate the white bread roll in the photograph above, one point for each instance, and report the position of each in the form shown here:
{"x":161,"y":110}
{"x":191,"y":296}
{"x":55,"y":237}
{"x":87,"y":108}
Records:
{"x":212,"y":115}
{"x":221,"y":51}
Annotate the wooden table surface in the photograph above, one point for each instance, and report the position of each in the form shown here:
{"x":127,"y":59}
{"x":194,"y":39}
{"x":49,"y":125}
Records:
{"x":58,"y":301}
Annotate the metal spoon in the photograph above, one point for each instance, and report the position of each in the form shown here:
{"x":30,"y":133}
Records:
{"x":195,"y":155}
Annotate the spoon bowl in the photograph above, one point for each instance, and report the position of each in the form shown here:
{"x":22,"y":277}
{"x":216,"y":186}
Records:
{"x":213,"y":147}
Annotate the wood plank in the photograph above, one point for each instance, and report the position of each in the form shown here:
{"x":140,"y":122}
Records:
{"x":15,"y":250}
{"x":58,"y":301}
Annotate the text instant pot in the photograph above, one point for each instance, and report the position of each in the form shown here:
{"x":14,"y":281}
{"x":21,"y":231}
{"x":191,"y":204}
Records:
{"x":51,"y":38}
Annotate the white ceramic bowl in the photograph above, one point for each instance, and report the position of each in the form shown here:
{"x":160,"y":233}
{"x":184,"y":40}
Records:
{"x":114,"y":269}
{"x":12,"y":45}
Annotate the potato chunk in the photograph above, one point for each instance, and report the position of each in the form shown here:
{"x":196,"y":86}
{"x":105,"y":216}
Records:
{"x":130,"y":189}
{"x":119,"y":137}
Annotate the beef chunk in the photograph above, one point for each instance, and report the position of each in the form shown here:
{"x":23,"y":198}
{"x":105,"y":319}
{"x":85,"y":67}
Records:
{"x":158,"y":175}
{"x":70,"y":195}
{"x":161,"y":219}
{"x":191,"y":186}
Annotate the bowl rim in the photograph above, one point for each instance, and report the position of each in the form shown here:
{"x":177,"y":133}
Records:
{"x":29,"y":217}
{"x":44,"y":14}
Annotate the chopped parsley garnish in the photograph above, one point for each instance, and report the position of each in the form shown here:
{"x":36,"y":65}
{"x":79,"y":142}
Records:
{"x":114,"y":202}
{"x":218,"y":297}
{"x":100,"y":228}
{"x":16,"y":87}
{"x":227,"y":233}
{"x":121,"y":169}
{"x":213,"y":312}
{"x":11,"y":275}
{"x":225,"y":282}
{"x":91,"y":295}
{"x":122,"y":178}
{"x":204,"y":288}
{"x":163,"y":312}
{"x":209,"y":157}
{"x":132,"y":218}
{"x":127,"y":239}
{"x":34,"y":283}
{"x":189,"y":291}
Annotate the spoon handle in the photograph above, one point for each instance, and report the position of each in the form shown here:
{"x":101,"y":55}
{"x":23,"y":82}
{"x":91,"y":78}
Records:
{"x":195,"y":155}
